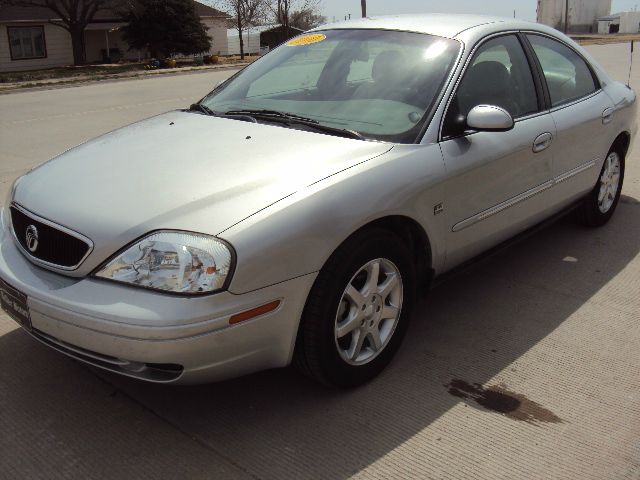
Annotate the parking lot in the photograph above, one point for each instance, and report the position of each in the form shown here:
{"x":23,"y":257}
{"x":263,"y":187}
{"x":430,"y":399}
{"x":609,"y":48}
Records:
{"x":524,"y":366}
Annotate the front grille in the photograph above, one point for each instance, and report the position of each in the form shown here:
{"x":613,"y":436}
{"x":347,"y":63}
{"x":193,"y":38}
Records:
{"x":55,"y":246}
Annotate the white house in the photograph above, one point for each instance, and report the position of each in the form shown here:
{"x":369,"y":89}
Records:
{"x":250,"y":38}
{"x":257,"y":38}
{"x":28,"y":40}
{"x":623,"y":22}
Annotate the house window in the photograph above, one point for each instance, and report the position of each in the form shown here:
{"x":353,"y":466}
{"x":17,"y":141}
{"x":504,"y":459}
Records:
{"x":27,"y":42}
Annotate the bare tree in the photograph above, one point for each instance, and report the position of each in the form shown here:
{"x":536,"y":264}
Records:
{"x":284,"y":10}
{"x":73,"y":16}
{"x":306,"y":19}
{"x":245,"y":13}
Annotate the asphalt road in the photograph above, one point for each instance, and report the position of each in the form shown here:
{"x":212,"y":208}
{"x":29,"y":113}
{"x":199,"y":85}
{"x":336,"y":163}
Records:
{"x":524,"y":366}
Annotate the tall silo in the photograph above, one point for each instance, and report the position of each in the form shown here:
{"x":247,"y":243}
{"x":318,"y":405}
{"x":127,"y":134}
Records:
{"x":582,"y":14}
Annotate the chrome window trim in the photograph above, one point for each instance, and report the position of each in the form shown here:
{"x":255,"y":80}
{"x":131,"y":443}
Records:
{"x":465,"y":67}
{"x":568,"y":103}
{"x":51,"y":224}
{"x":442,"y":95}
{"x":529,"y":116}
{"x":552,"y":109}
{"x":490,"y":212}
{"x":571,"y":103}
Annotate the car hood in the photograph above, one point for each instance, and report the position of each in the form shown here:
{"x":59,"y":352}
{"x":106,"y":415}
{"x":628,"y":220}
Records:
{"x":180,"y":170}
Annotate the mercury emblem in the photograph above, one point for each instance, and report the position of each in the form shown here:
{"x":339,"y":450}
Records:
{"x":32,"y":238}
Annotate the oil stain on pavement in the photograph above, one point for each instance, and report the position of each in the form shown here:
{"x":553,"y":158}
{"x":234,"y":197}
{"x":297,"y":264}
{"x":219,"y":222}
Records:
{"x":500,"y":400}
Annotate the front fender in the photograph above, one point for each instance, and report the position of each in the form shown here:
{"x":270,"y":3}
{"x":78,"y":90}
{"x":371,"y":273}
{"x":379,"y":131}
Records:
{"x":297,"y":235}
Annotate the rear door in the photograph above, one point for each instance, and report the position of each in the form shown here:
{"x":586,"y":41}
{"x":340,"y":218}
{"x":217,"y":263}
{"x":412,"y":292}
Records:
{"x":582,"y":112}
{"x":497,"y":181}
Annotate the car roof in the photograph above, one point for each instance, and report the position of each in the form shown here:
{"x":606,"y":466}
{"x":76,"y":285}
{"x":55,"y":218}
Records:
{"x":441,"y":24}
{"x":468,"y":29}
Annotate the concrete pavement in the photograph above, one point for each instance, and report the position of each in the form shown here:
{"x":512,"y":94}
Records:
{"x":36,"y":125}
{"x":524,"y":366}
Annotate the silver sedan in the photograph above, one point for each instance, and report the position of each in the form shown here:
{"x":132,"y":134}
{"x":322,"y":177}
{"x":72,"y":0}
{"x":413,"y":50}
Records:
{"x":294,"y":214}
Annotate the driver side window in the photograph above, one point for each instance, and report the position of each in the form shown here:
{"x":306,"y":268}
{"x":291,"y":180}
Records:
{"x":498,"y":75}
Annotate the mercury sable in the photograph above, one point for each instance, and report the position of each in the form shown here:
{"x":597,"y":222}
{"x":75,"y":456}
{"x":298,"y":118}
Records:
{"x":295,"y":212}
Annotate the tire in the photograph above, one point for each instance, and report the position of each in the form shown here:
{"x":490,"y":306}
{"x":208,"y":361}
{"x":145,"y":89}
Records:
{"x":600,"y":204}
{"x":331,"y":355}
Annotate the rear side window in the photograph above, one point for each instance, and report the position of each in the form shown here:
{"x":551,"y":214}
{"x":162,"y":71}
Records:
{"x":568,"y":76}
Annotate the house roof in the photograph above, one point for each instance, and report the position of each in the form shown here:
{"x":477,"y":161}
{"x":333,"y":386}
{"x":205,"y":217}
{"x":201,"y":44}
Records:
{"x":11,"y":13}
{"x":616,"y":16}
{"x":233,"y":32}
{"x":275,"y":26}
{"x":207,"y":11}
{"x":259,"y":29}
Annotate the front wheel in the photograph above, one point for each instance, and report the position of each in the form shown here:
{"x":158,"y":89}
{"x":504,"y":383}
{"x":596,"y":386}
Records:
{"x":357,"y":311}
{"x":598,"y":207}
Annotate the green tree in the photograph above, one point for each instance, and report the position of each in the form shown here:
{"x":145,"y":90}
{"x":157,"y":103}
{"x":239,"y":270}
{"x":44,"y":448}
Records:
{"x":165,"y":27}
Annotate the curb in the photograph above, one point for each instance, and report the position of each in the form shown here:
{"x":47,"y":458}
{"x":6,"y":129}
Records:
{"x":142,"y":75}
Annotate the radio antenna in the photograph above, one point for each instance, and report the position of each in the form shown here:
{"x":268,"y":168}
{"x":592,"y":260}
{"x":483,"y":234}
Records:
{"x":630,"y":65}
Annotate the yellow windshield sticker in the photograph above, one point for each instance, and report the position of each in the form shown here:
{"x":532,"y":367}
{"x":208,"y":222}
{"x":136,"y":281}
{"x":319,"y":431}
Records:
{"x":306,"y":40}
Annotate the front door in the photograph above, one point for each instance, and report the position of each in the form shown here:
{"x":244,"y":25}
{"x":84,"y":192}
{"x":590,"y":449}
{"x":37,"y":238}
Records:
{"x":497,"y":181}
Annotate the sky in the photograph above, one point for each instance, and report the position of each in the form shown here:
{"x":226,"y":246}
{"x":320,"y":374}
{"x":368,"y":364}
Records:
{"x":525,"y":9}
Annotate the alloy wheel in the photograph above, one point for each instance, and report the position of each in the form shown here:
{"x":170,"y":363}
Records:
{"x":368,"y":311}
{"x":609,"y":182}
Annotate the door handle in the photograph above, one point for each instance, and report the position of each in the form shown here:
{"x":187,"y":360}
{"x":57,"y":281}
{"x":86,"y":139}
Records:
{"x":542,"y":142}
{"x":607,"y":115}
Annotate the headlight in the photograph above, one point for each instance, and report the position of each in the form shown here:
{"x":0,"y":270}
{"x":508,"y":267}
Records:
{"x":177,"y":262}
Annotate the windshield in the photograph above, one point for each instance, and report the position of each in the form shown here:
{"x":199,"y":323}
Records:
{"x":378,"y":83}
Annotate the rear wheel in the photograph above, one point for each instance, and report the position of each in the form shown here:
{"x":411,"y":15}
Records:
{"x":357,"y":311}
{"x":599,"y":205}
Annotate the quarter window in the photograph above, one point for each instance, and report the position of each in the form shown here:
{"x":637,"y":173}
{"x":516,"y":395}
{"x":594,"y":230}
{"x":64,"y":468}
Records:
{"x":499,"y":75}
{"x":26,"y":42}
{"x":567,"y":74}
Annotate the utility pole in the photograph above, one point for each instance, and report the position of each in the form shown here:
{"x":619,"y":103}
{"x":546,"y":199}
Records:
{"x":363,"y":3}
{"x":566,"y":16}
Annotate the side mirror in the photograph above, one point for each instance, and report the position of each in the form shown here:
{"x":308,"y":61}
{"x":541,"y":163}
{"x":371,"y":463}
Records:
{"x":489,"y":118}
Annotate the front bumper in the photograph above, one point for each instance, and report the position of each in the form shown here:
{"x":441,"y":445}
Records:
{"x":153,"y":336}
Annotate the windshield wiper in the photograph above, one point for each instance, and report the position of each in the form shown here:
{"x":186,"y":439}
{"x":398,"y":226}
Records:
{"x":269,"y":114}
{"x":198,"y":107}
{"x":341,"y":132}
{"x":290,"y":118}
